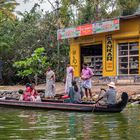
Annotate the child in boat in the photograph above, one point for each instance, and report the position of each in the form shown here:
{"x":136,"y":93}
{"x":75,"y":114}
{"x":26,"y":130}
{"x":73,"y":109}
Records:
{"x":74,"y":93}
{"x":21,"y":94}
{"x":33,"y":92}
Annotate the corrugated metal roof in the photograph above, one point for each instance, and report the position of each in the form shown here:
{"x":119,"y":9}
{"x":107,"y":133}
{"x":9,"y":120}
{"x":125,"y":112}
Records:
{"x":130,"y":16}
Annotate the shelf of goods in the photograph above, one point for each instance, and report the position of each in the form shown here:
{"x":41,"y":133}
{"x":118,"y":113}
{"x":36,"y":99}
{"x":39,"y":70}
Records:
{"x":95,"y":63}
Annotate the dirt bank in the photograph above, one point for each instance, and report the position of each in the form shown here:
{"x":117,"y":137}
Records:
{"x":130,"y":89}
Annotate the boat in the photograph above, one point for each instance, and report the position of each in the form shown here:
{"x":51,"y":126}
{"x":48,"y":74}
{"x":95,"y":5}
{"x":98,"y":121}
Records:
{"x":60,"y":105}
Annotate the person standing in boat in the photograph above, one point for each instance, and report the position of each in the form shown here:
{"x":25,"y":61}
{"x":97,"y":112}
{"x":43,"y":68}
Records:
{"x":50,"y":83}
{"x":86,"y":76}
{"x":69,"y":78}
{"x":110,"y":94}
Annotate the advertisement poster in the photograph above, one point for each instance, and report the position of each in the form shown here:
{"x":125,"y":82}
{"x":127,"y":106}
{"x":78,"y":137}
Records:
{"x":85,"y":29}
{"x":106,"y":26}
{"x":88,"y":29}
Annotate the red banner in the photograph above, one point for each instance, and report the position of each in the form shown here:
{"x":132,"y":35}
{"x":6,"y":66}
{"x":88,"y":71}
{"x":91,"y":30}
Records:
{"x":85,"y":29}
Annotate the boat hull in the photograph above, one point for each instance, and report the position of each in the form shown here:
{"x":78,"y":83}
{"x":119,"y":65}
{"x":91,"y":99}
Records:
{"x":56,"y":105}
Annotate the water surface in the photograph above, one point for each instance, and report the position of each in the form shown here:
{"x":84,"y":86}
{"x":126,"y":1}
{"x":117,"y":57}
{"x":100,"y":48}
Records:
{"x":22,"y":124}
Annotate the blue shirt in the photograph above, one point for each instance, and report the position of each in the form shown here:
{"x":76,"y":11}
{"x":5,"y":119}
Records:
{"x":111,"y":96}
{"x":75,"y":97}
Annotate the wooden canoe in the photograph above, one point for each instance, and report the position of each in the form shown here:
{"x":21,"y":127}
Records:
{"x":54,"y":105}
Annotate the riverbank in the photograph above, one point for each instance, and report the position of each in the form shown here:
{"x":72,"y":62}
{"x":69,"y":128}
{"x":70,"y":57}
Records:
{"x":132,"y":90}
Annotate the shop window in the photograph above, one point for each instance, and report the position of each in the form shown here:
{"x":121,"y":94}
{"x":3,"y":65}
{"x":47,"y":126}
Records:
{"x":128,"y":56}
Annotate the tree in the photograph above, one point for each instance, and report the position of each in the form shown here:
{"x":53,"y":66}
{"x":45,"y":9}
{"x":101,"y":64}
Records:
{"x":34,"y":65}
{"x":19,"y":38}
{"x":128,"y":7}
{"x":6,"y":9}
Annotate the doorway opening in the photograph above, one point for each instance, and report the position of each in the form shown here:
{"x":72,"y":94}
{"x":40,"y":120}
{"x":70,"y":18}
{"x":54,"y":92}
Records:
{"x":92,"y":55}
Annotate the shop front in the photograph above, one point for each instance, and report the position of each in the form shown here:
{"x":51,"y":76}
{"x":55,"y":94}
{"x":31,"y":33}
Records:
{"x":110,"y":48}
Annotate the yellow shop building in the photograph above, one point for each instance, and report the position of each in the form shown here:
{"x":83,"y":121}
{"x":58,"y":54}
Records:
{"x":110,"y":47}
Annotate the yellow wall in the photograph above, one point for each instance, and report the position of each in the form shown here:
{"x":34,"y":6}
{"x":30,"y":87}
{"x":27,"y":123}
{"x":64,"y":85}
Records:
{"x":139,"y":54}
{"x":129,"y":29}
{"x":75,"y":58}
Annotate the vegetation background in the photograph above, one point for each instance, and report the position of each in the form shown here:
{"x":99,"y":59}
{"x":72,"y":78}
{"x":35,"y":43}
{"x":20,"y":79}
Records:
{"x":35,"y":32}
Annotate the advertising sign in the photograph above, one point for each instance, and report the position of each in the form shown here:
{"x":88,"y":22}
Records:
{"x":67,"y":33}
{"x":88,"y":29}
{"x":85,"y":29}
{"x":109,"y":54}
{"x":106,"y":26}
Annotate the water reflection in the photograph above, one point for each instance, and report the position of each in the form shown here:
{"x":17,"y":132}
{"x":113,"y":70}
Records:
{"x":98,"y":126}
{"x":36,"y":124}
{"x":72,"y":125}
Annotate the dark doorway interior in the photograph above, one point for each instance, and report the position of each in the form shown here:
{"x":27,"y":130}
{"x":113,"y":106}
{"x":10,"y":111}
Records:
{"x":92,"y":55}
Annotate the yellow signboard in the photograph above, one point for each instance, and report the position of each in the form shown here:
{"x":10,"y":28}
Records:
{"x":109,"y":54}
{"x":75,"y":59}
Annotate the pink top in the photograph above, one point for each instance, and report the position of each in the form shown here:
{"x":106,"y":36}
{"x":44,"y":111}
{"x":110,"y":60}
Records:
{"x":34,"y":92}
{"x":28,"y":89}
{"x":26,"y":96}
{"x":87,"y":73}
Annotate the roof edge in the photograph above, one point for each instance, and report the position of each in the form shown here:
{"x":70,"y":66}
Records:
{"x":130,"y":16}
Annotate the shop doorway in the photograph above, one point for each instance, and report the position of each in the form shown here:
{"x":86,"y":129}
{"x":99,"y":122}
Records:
{"x":92,"y":55}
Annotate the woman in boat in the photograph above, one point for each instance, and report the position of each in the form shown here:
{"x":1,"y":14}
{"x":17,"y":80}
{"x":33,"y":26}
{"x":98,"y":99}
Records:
{"x":110,"y":94}
{"x":75,"y":93}
{"x":69,"y":78}
{"x":50,"y":83}
{"x":34,"y":94}
{"x":86,"y":76}
{"x":27,"y":94}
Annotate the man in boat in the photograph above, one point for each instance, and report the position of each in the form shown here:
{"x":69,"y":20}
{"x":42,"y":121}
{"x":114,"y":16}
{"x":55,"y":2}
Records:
{"x":110,"y":95}
{"x":86,"y":76}
{"x":69,"y":78}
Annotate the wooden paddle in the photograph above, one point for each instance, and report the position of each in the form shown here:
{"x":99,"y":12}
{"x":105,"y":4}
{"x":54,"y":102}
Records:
{"x":102,"y":89}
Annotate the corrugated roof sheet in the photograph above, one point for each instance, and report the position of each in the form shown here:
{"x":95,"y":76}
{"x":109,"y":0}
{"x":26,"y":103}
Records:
{"x":130,"y":16}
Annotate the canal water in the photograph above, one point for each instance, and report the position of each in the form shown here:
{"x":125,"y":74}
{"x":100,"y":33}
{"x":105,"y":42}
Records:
{"x":21,"y":124}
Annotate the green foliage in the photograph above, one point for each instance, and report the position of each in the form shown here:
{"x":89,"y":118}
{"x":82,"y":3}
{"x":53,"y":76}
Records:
{"x":19,"y":38}
{"x":34,"y":65}
{"x":128,"y":7}
{"x":6,"y":9}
